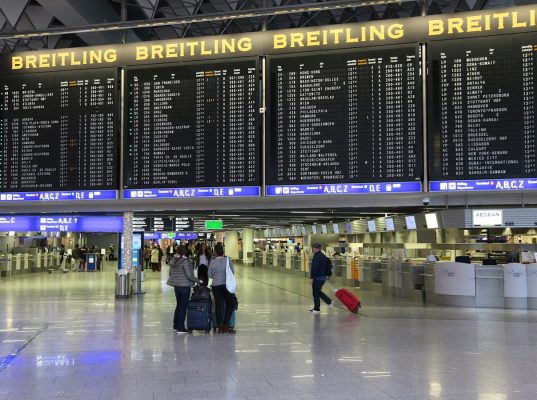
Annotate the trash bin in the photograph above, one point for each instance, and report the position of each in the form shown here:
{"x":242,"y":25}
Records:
{"x":123,"y":286}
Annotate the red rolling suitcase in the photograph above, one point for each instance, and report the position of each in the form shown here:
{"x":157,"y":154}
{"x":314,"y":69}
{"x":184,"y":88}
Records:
{"x":349,"y":300}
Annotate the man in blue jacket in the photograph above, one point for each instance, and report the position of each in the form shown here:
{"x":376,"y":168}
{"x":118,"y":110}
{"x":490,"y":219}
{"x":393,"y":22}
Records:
{"x":320,"y":266}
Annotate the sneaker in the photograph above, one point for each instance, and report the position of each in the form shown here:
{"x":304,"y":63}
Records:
{"x":314,"y":311}
{"x":182,"y":332}
{"x":331,"y":304}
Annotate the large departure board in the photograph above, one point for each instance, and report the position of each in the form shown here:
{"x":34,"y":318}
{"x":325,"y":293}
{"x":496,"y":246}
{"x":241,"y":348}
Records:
{"x":482,"y":113}
{"x":193,"y":126}
{"x":349,"y":118}
{"x":59,"y":133}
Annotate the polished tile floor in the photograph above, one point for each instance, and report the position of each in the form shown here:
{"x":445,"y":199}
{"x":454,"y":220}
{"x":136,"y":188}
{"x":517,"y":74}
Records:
{"x":64,"y":336}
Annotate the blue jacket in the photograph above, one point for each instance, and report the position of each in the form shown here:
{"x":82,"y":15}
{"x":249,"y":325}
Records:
{"x":319,"y":265}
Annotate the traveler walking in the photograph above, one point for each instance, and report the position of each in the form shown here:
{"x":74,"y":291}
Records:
{"x":320,"y":270}
{"x":155,"y":258}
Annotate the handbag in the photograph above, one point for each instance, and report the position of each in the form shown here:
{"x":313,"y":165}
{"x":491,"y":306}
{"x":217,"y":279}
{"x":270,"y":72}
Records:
{"x":231,"y":282}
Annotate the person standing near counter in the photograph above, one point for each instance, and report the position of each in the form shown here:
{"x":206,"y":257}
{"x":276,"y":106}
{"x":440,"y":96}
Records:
{"x":320,"y":269}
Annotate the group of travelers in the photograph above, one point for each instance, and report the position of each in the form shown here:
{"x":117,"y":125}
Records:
{"x":195,"y":264}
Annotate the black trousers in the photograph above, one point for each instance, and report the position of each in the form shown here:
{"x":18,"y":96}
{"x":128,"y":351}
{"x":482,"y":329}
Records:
{"x":221,"y":297}
{"x":203,"y":273}
{"x":316,"y":287}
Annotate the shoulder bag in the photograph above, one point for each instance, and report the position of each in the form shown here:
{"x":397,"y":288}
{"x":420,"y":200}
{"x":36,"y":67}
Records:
{"x":231,"y":282}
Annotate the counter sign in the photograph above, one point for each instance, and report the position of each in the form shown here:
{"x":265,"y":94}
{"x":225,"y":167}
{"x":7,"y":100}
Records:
{"x":484,"y":218}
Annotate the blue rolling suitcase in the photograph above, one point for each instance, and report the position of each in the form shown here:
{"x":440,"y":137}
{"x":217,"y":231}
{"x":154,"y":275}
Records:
{"x":199,"y":316}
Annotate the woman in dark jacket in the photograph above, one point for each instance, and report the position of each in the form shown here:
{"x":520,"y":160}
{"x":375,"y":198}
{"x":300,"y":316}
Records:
{"x":181,"y":278}
{"x":203,"y":258}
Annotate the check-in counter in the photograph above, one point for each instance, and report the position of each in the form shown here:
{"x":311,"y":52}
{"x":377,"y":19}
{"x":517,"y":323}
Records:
{"x":454,"y":284}
{"x":428,"y":282}
{"x":296,"y":262}
{"x":29,"y":261}
{"x":515,"y":286}
{"x":489,"y":286}
{"x":412,"y":280}
{"x":371,"y":275}
{"x":281,"y":260}
{"x":531,"y":275}
{"x":387,"y":271}
{"x":365,"y":275}
{"x":258,"y":259}
{"x":288,"y":260}
{"x":5,"y":265}
{"x":339,"y":271}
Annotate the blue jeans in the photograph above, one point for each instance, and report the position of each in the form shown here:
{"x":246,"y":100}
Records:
{"x":316,"y":287}
{"x":182,"y":295}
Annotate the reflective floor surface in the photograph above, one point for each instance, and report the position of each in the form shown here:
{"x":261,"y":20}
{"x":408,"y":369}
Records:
{"x":65,"y":336}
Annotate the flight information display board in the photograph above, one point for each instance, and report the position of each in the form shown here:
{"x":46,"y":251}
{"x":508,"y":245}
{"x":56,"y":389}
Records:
{"x":193,"y":130}
{"x":59,"y":136}
{"x":345,"y":122}
{"x":482,"y":133}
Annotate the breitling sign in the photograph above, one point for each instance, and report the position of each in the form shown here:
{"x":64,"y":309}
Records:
{"x":389,"y":32}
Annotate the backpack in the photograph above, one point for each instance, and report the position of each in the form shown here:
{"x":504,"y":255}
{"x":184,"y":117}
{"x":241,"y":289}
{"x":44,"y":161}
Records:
{"x":328,"y":267}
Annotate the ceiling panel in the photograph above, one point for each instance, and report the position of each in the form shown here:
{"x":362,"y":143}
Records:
{"x":42,"y":14}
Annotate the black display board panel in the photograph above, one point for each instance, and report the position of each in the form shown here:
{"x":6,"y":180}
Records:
{"x":193,"y":125}
{"x":59,"y":131}
{"x":350,"y":116}
{"x":481,"y":108}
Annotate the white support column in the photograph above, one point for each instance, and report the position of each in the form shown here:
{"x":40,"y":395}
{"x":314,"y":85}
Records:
{"x":248,"y":246}
{"x":232,"y":244}
{"x":127,"y":241}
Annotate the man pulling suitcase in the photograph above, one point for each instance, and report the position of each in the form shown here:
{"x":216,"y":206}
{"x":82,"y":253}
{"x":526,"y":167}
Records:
{"x":321,"y":268}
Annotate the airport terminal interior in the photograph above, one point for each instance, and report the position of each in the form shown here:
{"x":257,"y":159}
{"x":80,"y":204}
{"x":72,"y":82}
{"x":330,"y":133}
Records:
{"x":396,"y":138}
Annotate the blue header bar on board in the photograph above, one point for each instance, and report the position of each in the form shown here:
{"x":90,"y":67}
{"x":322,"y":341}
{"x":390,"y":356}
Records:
{"x":176,"y":193}
{"x":60,"y":196}
{"x":484,"y":184}
{"x":344,"y":188}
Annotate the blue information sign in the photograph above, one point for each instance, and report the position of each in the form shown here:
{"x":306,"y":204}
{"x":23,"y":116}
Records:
{"x":60,"y":196}
{"x":55,"y":223}
{"x":178,"y":236}
{"x":16,"y":223}
{"x":344,"y":188}
{"x":176,"y":193}
{"x":484,"y":184}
